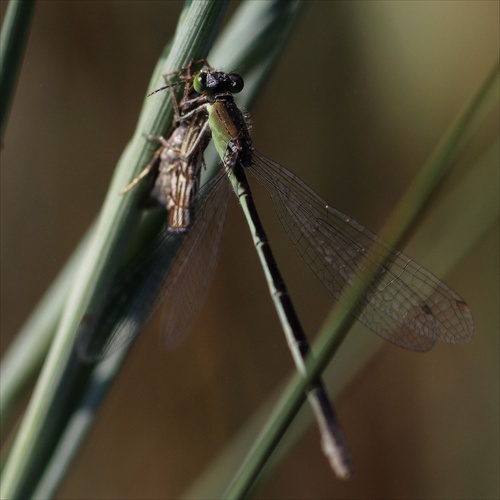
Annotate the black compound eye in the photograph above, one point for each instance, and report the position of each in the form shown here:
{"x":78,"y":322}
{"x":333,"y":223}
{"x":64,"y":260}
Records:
{"x":235,"y":83}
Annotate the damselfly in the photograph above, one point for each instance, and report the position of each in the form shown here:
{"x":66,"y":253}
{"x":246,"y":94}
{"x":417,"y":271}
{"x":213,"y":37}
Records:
{"x":406,"y":305}
{"x":174,"y":174}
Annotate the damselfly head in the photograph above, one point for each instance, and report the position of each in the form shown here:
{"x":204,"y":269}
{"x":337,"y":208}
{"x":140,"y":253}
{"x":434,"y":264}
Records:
{"x":217,"y":82}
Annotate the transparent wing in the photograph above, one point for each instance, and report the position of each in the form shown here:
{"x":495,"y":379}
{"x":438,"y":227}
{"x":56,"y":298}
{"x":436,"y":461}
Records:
{"x":193,"y":271}
{"x":407,"y":305}
{"x":163,"y":272}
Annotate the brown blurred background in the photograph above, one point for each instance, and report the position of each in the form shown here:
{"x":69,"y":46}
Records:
{"x":359,"y":99}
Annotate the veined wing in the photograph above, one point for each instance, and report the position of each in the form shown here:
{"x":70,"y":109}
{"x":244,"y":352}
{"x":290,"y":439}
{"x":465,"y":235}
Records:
{"x":192,"y":272}
{"x":406,"y":305}
{"x":162,"y":272}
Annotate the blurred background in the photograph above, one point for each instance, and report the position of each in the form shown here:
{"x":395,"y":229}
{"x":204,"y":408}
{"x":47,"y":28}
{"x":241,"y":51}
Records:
{"x":359,"y":99}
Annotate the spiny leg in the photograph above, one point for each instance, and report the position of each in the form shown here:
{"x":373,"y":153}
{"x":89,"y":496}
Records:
{"x":151,"y":164}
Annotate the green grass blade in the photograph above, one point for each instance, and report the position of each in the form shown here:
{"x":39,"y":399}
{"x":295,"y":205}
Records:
{"x":279,"y":23}
{"x":26,"y":354}
{"x":13,"y":38}
{"x":156,"y":114}
{"x":439,"y":243}
{"x":266,"y":20}
{"x":270,"y":11}
{"x":340,"y":320}
{"x":195,"y":33}
{"x":483,"y":214}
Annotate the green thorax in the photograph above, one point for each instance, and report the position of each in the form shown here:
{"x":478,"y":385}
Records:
{"x":229,"y":131}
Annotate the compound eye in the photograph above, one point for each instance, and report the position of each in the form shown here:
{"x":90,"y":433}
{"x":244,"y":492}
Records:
{"x":235,"y":83}
{"x":200,"y":82}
